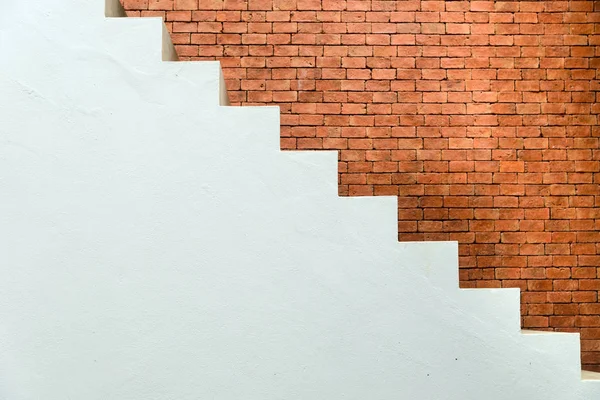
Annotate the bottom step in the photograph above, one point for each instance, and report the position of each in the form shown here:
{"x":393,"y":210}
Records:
{"x":590,"y":375}
{"x":585,"y":375}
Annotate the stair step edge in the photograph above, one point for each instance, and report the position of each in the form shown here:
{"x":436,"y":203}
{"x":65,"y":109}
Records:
{"x":590,"y":375}
{"x":534,"y":332}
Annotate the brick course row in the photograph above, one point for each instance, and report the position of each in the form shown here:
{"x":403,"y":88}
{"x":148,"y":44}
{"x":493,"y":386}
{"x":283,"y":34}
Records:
{"x":481,"y":116}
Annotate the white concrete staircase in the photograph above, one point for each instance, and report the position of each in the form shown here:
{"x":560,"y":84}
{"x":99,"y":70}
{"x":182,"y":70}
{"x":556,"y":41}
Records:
{"x":157,"y":244}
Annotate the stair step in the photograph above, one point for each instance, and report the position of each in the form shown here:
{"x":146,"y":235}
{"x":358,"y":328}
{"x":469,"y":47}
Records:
{"x":590,"y":375}
{"x":437,"y":262}
{"x":373,"y":218}
{"x":198,"y":78}
{"x":317,"y":169}
{"x":505,"y":302}
{"x":195,"y":72}
{"x":114,"y":9}
{"x":543,"y":333}
{"x":141,"y":41}
{"x":562,"y":348}
{"x":146,"y":42}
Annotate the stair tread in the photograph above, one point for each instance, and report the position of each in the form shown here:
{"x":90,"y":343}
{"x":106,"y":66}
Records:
{"x":590,"y":375}
{"x":537,"y":332}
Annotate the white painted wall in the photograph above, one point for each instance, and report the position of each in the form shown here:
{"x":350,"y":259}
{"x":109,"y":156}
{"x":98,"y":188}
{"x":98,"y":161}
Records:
{"x":156,"y":245}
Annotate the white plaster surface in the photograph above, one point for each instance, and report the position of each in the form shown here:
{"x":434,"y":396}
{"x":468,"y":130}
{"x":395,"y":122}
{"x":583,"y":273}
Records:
{"x":156,"y":245}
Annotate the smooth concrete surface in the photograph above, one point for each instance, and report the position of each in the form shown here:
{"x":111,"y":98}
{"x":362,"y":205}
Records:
{"x":157,"y":245}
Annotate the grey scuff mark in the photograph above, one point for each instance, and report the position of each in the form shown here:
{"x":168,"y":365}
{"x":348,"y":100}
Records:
{"x":34,"y":93}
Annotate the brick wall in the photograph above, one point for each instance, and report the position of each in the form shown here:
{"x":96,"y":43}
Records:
{"x":480,"y":116}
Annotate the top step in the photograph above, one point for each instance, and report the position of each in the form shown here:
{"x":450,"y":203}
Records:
{"x":590,"y":375}
{"x":84,"y":45}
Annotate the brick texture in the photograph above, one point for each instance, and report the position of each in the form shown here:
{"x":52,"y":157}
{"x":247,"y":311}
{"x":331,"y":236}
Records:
{"x":481,"y":116}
